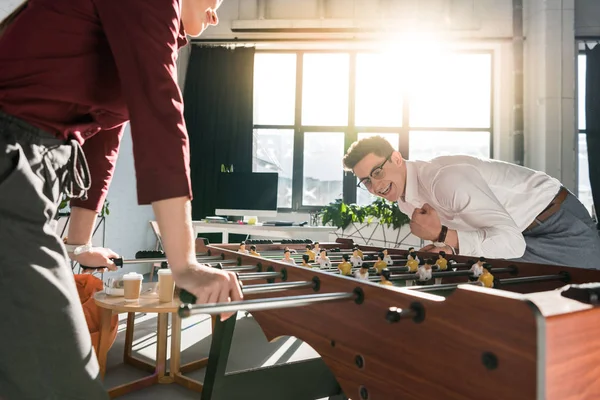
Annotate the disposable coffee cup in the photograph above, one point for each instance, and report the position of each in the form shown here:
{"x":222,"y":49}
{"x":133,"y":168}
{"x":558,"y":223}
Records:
{"x":132,"y":285}
{"x":166,"y":285}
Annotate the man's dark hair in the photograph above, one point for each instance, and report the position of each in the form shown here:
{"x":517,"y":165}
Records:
{"x":359,"y":150}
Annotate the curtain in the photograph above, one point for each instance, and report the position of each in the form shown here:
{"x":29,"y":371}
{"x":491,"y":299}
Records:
{"x":218,"y":99}
{"x":592,"y":120}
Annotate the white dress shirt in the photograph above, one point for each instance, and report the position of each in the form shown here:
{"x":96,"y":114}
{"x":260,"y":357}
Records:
{"x":388,"y":260}
{"x":423,"y":274}
{"x":488,"y":202}
{"x":356,"y":261}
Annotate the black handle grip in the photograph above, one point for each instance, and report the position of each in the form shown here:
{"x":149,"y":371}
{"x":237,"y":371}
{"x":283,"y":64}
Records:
{"x":186,"y":297}
{"x":118,"y":262}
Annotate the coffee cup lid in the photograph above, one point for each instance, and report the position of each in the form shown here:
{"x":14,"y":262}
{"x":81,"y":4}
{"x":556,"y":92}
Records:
{"x":164,"y":271}
{"x":133,"y":276}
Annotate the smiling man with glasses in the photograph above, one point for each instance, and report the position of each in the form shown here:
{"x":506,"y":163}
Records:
{"x":479,"y":207}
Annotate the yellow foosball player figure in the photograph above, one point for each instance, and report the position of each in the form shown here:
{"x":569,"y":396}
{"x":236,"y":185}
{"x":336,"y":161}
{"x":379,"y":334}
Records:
{"x":287,"y":257}
{"x":345,"y":267}
{"x":380,"y":264}
{"x":412,"y":263}
{"x":311,"y":254}
{"x":253,"y":251}
{"x":356,"y":260}
{"x":387,"y":258}
{"x":486,"y":278}
{"x":412,"y":250}
{"x":242,"y":248}
{"x":442,"y":264}
{"x":362,"y":273}
{"x":306,"y":261}
{"x":358,"y":251}
{"x":385,"y":277}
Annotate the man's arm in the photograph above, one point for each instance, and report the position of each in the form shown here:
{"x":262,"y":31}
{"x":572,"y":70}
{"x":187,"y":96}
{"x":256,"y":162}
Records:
{"x":462,"y":190}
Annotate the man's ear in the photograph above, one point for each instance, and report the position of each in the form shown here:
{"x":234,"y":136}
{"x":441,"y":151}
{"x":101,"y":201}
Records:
{"x":397,"y":158}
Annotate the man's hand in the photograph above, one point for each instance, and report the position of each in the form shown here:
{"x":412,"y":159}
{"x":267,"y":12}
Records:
{"x":425,"y":223}
{"x":433,"y":249}
{"x":209,"y":285}
{"x":96,"y":257}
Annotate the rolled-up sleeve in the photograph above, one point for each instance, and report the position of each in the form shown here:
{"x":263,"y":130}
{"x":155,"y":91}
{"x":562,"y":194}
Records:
{"x":101,"y":152}
{"x":460,"y":189}
{"x":143,"y":37}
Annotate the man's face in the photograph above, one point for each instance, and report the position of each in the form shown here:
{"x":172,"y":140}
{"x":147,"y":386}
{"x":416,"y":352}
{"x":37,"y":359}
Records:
{"x":391,"y":182}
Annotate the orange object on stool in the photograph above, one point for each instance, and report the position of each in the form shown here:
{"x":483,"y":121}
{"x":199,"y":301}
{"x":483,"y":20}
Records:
{"x":87,"y":285}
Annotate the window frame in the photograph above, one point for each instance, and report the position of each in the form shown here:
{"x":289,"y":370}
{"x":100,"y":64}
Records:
{"x":351,"y":131}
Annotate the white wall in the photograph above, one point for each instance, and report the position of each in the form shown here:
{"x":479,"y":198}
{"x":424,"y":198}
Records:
{"x":550,"y":89}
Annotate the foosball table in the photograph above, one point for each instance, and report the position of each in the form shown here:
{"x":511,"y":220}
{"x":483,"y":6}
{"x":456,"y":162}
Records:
{"x":534,"y":335}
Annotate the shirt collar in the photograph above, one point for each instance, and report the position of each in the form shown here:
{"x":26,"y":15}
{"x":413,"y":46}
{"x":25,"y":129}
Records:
{"x":412,"y":190}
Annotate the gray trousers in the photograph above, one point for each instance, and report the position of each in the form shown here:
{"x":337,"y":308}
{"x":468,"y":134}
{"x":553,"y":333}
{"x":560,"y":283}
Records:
{"x":569,"y":238}
{"x":45,"y":346}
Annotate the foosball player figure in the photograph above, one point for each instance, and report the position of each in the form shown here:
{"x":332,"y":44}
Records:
{"x":442,"y":264}
{"x":345,"y":267}
{"x":253,"y":251}
{"x":356,"y":260}
{"x":311,"y":254}
{"x":413,"y":262}
{"x":424,"y":271}
{"x":306,"y":261}
{"x":242,"y":248}
{"x":359,"y":252}
{"x":486,"y":278}
{"x":477,"y":269}
{"x":316,"y":249}
{"x":323,"y":260}
{"x":380,"y":265}
{"x":287,"y":257}
{"x":412,"y":250}
{"x":387,"y":258}
{"x":362,"y":273}
{"x":385,"y":277}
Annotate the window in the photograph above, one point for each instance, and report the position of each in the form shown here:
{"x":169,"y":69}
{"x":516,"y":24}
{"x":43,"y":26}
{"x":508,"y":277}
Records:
{"x":583,"y":185}
{"x":310,"y":106}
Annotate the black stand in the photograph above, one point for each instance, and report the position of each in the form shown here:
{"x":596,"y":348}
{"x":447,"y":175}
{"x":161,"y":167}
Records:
{"x":301,"y":380}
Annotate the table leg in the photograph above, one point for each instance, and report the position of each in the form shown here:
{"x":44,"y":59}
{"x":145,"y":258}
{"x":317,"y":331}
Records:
{"x":175,"y":345}
{"x":104,"y":344}
{"x":161,"y":347}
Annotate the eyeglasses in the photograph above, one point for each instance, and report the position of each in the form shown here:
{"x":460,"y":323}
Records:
{"x":377,"y":173}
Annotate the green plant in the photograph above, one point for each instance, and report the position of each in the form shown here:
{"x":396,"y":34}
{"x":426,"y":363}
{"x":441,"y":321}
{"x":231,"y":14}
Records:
{"x":105,"y":211}
{"x":226,"y":168}
{"x":342,"y":215}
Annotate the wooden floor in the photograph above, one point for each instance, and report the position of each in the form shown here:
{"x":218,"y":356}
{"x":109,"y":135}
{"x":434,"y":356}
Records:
{"x":249,"y":349}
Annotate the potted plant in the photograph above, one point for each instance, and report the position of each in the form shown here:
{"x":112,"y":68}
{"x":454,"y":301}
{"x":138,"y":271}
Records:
{"x":367,"y":224}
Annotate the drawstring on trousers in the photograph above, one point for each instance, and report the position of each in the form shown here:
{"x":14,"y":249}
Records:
{"x":75,"y":178}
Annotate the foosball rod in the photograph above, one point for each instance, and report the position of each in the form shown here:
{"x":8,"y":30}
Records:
{"x":186,"y":310}
{"x":443,"y":274}
{"x":119,"y":262}
{"x":498,"y":283}
{"x":188,"y":298}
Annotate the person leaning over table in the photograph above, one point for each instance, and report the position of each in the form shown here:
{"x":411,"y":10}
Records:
{"x":480,"y":207}
{"x":72,"y":73}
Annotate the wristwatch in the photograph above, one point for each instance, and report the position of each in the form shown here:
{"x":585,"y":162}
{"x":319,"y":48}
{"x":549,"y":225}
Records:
{"x":442,"y":238}
{"x":77,"y":249}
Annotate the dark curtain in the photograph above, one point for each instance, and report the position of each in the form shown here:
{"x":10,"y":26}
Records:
{"x":218,"y":113}
{"x":592,"y":120}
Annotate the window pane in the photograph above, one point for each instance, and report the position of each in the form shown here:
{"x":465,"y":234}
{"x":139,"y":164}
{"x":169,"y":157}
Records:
{"x":581,"y":66}
{"x":585,"y":189}
{"x":378,"y":91}
{"x":323,"y":171}
{"x":325,"y":89}
{"x":363,"y":197}
{"x":425,"y":145}
{"x":273,"y":151}
{"x":274,"y":89}
{"x":452,"y":92}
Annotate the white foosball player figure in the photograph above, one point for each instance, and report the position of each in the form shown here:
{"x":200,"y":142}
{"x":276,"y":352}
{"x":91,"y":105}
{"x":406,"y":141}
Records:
{"x":387,"y":258}
{"x":287,"y":257}
{"x":362,"y":273}
{"x":477,"y":268}
{"x":356,"y":260}
{"x":323,"y":260}
{"x":242,"y":248}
